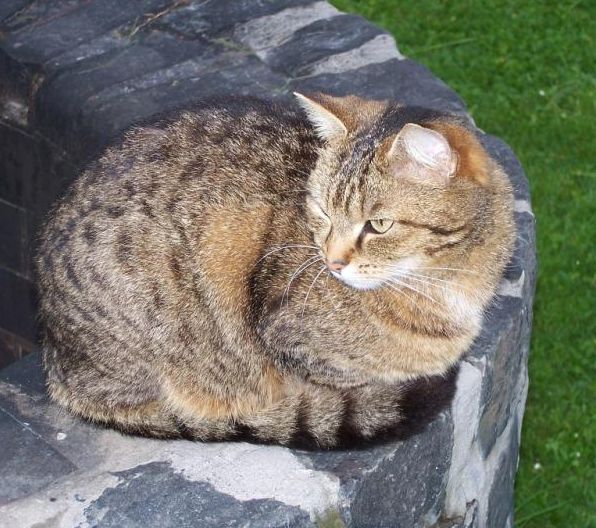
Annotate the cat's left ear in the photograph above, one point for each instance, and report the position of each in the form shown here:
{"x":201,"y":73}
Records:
{"x":438,"y":153}
{"x":326,"y":124}
{"x":424,"y":153}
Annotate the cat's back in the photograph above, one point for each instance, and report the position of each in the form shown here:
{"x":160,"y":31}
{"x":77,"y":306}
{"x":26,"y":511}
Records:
{"x":116,"y":256}
{"x":209,"y":156}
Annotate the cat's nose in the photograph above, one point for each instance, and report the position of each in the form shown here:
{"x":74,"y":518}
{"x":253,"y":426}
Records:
{"x":336,"y":265}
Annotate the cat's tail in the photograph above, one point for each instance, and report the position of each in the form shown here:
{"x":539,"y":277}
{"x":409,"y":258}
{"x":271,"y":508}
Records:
{"x":315,"y":417}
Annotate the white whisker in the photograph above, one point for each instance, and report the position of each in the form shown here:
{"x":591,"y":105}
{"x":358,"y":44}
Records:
{"x":398,"y":290}
{"x":432,"y":278}
{"x":275,"y":250}
{"x":327,"y":287}
{"x":447,"y":269}
{"x":309,"y":262}
{"x":410,"y":287}
{"x":421,"y":279}
{"x":323,"y":267}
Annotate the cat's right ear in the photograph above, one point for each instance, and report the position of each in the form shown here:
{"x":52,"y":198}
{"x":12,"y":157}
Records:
{"x":326,"y":124}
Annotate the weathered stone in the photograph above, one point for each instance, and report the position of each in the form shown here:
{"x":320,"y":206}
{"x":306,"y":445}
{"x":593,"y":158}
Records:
{"x":73,"y":74}
{"x":380,"y":49}
{"x":13,"y":229}
{"x":20,"y":443}
{"x":267,"y":32}
{"x":164,"y":498}
{"x":404,"y":80}
{"x":9,"y":7}
{"x":47,"y":29}
{"x":214,"y":18}
{"x":318,"y":41}
{"x":18,"y":306}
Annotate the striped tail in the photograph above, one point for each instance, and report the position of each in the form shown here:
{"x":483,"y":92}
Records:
{"x":317,"y":417}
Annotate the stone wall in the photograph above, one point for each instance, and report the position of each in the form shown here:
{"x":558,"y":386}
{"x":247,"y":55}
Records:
{"x":73,"y":74}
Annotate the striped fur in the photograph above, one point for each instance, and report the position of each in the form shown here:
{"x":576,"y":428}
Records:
{"x":183,"y":291}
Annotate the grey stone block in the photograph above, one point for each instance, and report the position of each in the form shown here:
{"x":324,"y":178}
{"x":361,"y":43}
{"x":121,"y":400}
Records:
{"x":318,"y":41}
{"x":404,"y":80}
{"x":216,"y":18}
{"x":154,"y":495}
{"x":9,"y":7}
{"x":13,"y":237}
{"x":19,"y":442}
{"x":19,"y":304}
{"x":46,"y":29}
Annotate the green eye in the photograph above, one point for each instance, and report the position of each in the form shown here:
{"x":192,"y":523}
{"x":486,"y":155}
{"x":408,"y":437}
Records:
{"x":380,"y":226}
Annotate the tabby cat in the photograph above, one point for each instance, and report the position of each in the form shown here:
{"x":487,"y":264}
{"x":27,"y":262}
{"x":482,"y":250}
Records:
{"x":246,"y":269}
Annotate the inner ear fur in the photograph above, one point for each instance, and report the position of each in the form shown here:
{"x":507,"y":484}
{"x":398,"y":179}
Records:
{"x":353,"y":111}
{"x":473,"y":161}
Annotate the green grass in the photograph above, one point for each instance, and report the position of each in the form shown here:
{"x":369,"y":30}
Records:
{"x":526,"y":71}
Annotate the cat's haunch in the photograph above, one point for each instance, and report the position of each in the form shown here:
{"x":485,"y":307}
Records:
{"x":244,"y":269}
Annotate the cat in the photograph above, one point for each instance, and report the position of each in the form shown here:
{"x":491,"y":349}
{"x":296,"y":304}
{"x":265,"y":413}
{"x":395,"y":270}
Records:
{"x":303,"y":275}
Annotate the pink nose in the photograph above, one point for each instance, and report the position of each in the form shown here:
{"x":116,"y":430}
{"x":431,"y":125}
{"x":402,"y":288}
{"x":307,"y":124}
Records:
{"x":336,"y":265}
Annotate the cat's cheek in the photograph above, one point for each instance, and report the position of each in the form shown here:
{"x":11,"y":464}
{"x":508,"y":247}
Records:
{"x":463,"y":309}
{"x":320,"y":234}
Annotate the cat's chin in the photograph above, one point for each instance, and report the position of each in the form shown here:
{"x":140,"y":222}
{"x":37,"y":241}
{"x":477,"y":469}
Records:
{"x":358,"y":283}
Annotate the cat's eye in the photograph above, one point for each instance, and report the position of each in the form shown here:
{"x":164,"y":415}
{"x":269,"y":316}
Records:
{"x":380,"y":226}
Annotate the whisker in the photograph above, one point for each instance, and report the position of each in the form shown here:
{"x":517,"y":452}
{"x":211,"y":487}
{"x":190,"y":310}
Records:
{"x":309,"y":262}
{"x":420,"y":278}
{"x":420,"y":268}
{"x":329,"y":296}
{"x":448,"y":269}
{"x":323,"y":267}
{"x":410,"y":287}
{"x":398,"y":290}
{"x":286,"y":247}
{"x":411,"y":273}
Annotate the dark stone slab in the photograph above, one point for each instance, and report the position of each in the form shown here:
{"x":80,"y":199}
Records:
{"x":408,"y":489}
{"x":27,"y":377}
{"x":13,"y":348}
{"x":232,"y":72}
{"x":371,"y":479}
{"x":498,"y":385}
{"x":503,"y":153}
{"x":215,"y":17}
{"x":34,"y":12}
{"x":18,"y":316}
{"x":33,"y":172}
{"x":16,"y":79}
{"x":403,"y":80}
{"x":319,"y":40}
{"x":154,"y":496}
{"x":88,"y":82}
{"x":13,"y":237}
{"x":501,"y":495}
{"x":23,"y":395}
{"x":10,"y":7}
{"x":48,"y":29}
{"x":20,"y":443}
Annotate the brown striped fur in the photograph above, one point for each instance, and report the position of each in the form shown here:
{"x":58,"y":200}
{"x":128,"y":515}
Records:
{"x":176,"y":300}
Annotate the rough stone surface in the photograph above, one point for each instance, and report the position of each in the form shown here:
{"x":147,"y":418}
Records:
{"x":73,"y":73}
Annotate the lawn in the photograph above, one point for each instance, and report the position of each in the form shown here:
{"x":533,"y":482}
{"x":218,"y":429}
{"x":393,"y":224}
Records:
{"x":526,"y":71}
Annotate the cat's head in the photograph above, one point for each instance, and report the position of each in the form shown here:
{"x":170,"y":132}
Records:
{"x":395,"y":190}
